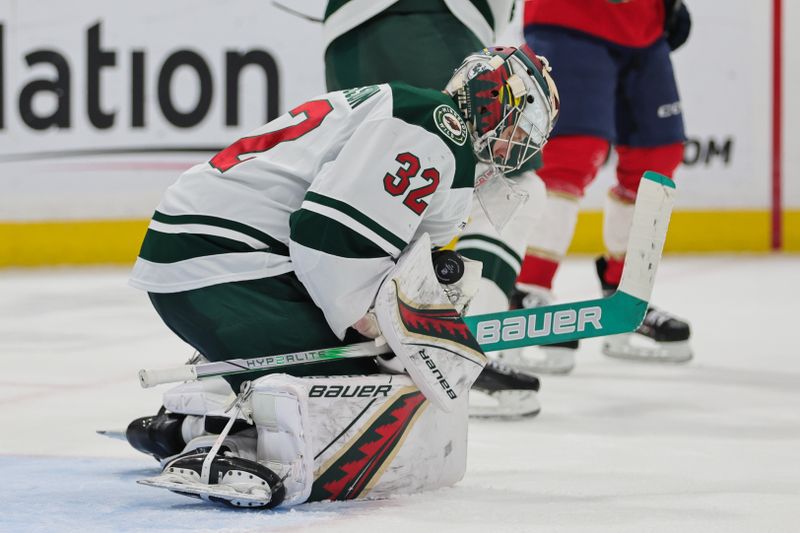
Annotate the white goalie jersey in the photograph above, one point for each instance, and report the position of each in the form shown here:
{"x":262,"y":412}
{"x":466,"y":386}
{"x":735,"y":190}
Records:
{"x":333,"y":190}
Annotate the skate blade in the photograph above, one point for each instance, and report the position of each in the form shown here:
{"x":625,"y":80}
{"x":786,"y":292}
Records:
{"x":255,"y":497}
{"x":116,"y":434}
{"x":634,"y":347}
{"x":540,"y":360}
{"x":503,"y":404}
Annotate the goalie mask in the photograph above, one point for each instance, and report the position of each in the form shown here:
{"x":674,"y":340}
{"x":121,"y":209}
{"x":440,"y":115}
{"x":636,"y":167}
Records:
{"x":509,"y":101}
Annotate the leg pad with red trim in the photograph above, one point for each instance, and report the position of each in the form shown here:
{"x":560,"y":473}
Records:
{"x":571,"y":163}
{"x":356,"y":437}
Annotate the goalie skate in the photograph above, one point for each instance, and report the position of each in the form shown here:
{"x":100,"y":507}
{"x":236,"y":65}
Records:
{"x":159,"y":435}
{"x":231,"y":480}
{"x":501,"y":392}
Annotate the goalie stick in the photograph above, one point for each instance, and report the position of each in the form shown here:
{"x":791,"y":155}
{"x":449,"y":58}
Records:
{"x":622,"y":312}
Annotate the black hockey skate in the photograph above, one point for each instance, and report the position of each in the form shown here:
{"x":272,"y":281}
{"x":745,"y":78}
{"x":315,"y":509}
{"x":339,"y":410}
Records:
{"x":500,"y":392}
{"x":162,"y":435}
{"x":230,"y":480}
{"x":662,"y":337}
{"x":159,"y":435}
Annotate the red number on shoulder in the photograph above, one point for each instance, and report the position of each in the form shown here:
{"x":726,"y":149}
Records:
{"x":315,"y":112}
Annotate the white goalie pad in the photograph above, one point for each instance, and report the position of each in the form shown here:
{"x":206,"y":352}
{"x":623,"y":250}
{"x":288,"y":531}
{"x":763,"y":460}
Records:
{"x":424,"y":330}
{"x":324,"y":438}
{"x":198,"y":400}
{"x":356,"y":437}
{"x":203,"y":397}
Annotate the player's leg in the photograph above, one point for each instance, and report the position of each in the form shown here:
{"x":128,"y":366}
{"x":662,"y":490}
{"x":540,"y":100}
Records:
{"x":501,"y":252}
{"x":651,"y":135}
{"x":240,"y":320}
{"x":500,"y":391}
{"x":586,"y":77}
{"x":250,"y":318}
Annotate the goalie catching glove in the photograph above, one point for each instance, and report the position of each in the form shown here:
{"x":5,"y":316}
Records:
{"x":420,"y":319}
{"x":459,"y":278}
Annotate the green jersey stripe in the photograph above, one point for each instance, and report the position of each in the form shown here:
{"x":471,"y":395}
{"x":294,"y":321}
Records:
{"x":173,"y":247}
{"x":466,"y":241}
{"x":205,"y":271}
{"x":205,"y":229}
{"x":358,"y":216}
{"x":319,"y":232}
{"x":494,"y":268}
{"x":275,"y":246}
{"x":333,"y":6}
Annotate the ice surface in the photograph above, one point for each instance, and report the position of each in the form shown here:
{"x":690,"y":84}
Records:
{"x":619,"y":446}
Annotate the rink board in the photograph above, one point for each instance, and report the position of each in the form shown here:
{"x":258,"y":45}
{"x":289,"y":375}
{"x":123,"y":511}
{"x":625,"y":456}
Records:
{"x":140,"y":106}
{"x":118,"y":241}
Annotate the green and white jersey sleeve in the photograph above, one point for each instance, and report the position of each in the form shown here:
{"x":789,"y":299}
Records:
{"x":334,"y":190}
{"x":406,"y":171}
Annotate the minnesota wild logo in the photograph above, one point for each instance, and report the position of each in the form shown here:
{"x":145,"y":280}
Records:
{"x":450,"y":124}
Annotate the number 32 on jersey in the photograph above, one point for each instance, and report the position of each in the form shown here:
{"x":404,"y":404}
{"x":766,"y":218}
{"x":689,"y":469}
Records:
{"x":398,"y":183}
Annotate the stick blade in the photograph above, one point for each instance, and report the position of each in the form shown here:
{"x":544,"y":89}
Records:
{"x":622,"y":312}
{"x":116,"y":434}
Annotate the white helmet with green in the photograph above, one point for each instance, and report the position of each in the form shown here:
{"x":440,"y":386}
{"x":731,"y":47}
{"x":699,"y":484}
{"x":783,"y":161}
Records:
{"x":509,"y":101}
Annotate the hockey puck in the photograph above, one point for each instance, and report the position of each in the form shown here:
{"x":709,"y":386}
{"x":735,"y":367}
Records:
{"x":448,"y":266}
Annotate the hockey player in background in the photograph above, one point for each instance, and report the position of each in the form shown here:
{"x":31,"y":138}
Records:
{"x":362,"y":48}
{"x":316,"y":231}
{"x":612,"y":63}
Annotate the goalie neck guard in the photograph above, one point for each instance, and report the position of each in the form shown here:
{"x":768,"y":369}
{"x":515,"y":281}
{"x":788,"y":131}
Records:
{"x":510,"y":103}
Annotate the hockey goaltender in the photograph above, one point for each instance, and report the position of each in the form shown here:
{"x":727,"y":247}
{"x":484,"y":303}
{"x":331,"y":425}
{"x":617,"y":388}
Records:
{"x":315,"y":231}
